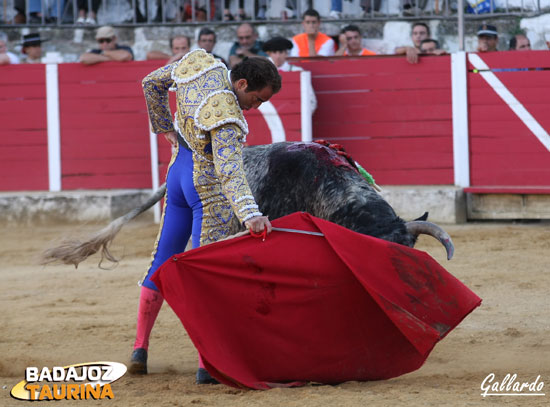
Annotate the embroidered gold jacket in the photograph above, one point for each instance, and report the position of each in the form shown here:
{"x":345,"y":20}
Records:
{"x":210,"y":120}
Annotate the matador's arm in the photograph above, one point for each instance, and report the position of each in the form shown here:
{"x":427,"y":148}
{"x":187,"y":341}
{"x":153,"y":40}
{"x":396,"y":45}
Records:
{"x":228,"y":163}
{"x":155,"y":87}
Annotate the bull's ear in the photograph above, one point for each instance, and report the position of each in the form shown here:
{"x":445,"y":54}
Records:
{"x":423,"y":217}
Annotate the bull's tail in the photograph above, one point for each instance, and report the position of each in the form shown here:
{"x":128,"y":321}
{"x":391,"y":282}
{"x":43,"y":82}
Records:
{"x":75,"y":251}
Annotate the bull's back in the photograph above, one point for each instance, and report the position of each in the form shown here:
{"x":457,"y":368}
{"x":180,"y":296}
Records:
{"x":292,"y":177}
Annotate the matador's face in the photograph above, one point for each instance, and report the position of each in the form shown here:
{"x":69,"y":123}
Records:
{"x":251,"y":99}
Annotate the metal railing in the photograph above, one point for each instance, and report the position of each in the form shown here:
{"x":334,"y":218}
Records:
{"x":140,"y":12}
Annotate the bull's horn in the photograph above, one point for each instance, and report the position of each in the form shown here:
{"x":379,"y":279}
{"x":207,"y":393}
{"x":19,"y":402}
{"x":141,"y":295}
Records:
{"x":417,"y":227}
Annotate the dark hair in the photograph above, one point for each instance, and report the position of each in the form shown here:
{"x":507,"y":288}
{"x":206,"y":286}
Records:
{"x":312,"y":13}
{"x":514,"y":41}
{"x":207,"y":31}
{"x":351,"y":27}
{"x":430,"y":40}
{"x":259,"y":72}
{"x":423,"y":25}
{"x":180,"y":36}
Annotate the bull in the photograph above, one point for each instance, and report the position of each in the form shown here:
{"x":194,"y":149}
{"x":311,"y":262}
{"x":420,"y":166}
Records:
{"x":289,"y":177}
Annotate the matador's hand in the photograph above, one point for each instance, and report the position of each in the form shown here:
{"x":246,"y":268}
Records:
{"x":171,"y":137}
{"x":257,"y":224}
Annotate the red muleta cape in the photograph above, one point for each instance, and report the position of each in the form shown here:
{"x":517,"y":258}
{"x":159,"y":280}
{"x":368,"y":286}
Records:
{"x":297,"y":308}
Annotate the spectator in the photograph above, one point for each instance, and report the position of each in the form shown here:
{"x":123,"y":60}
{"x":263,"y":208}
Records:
{"x":36,"y":14}
{"x":201,"y":13}
{"x":366,"y":5}
{"x":247,"y":44}
{"x":108,"y":49}
{"x":277,"y":50}
{"x":6,"y":57}
{"x":420,"y":31}
{"x":311,"y":42}
{"x":350,"y":42}
{"x":180,"y":45}
{"x":207,"y":41}
{"x":227,"y":16}
{"x":83,"y":9}
{"x":430,"y":46}
{"x":487,"y":38}
{"x":520,"y":42}
{"x":408,"y":6}
{"x":32,"y":49}
{"x":335,"y":9}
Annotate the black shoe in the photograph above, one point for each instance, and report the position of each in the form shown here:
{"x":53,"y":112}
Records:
{"x":138,"y":362}
{"x":203,"y":377}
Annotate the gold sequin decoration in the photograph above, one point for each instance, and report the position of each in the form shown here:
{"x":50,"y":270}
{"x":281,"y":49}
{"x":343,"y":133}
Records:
{"x":222,"y":111}
{"x":218,"y":173}
{"x":196,"y":62}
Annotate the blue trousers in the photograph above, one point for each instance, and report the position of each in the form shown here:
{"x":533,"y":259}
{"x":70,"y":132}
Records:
{"x":182,"y":217}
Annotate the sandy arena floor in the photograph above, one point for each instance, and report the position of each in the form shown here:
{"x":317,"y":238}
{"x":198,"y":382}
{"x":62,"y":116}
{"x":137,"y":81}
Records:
{"x":56,"y":315}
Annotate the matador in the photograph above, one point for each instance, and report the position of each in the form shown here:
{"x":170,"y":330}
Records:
{"x":206,"y":183}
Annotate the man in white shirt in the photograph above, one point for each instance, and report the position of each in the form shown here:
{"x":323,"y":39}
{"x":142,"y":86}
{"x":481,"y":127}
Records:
{"x":277,"y":51}
{"x":6,"y":57}
{"x":312,"y":42}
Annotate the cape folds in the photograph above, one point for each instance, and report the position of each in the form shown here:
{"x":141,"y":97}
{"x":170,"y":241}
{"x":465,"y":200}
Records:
{"x":297,"y":308}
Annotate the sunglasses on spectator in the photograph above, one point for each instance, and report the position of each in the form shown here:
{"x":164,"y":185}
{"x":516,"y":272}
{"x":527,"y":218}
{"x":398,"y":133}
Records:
{"x":102,"y":40}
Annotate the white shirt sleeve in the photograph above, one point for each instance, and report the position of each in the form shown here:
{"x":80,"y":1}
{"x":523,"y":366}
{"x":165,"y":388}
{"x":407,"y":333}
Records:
{"x":13,"y":58}
{"x":327,"y":49}
{"x":294,"y":52}
{"x":312,"y":98}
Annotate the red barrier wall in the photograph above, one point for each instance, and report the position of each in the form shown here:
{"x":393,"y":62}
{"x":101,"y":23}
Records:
{"x":503,"y":151}
{"x":393,"y":117}
{"x":23,"y":129}
{"x":104,"y":138}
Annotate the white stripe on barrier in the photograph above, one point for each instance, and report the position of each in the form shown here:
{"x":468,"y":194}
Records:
{"x":461,"y":156}
{"x":273,"y":121}
{"x":514,"y":104}
{"x":155,"y":172}
{"x":54,"y":135}
{"x":305,"y":105}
